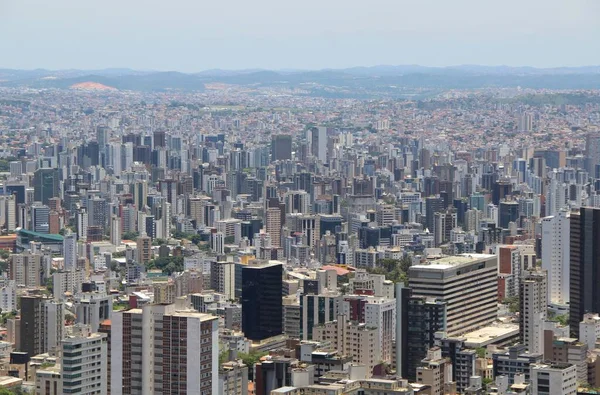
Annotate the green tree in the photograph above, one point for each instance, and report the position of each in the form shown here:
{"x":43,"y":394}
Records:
{"x":513,"y":303}
{"x":481,"y":352}
{"x":4,"y":254}
{"x":229,"y":240}
{"x":487,"y":382}
{"x":130,"y":236}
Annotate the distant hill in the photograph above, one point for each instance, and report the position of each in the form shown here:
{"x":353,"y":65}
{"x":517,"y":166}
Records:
{"x":374,"y":81}
{"x":157,"y":81}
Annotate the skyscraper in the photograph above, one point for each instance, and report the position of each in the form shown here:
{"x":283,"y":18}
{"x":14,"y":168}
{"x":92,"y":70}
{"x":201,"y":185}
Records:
{"x":262,"y":311}
{"x":33,"y":325}
{"x":592,"y":150}
{"x":318,"y":141}
{"x":84,"y":362}
{"x":534,"y":304}
{"x":70,"y":251}
{"x":468,"y":284}
{"x":158,"y":349}
{"x":273,"y":225}
{"x":556,"y":255}
{"x":584,"y":292}
{"x":46,"y":184}
{"x":281,"y":147}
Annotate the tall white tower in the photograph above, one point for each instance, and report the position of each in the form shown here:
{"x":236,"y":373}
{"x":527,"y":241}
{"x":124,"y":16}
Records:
{"x":555,"y":255}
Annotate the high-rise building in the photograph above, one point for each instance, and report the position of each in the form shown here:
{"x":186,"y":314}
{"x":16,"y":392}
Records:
{"x":418,"y":319}
{"x":281,"y":147}
{"x":318,"y":143}
{"x":27,"y":269}
{"x":273,"y":225}
{"x":509,"y":271}
{"x":262,"y":291}
{"x":222,"y":278}
{"x":360,"y":341}
{"x":467,"y":283}
{"x":158,"y":349}
{"x":84,"y":363}
{"x":40,"y":218}
{"x":533,"y":306}
{"x":556,"y":256}
{"x":115,"y":230}
{"x":70,"y":251}
{"x":33,"y":325}
{"x":375,"y":312}
{"x":144,"y":249}
{"x":584,"y":293}
{"x":92,"y":308}
{"x":592,"y":150}
{"x":46,"y":184}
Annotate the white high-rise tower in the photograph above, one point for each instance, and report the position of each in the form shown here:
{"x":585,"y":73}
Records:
{"x":555,"y":256}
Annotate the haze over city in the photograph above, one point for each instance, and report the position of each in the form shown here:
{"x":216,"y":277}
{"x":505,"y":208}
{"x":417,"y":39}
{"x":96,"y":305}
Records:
{"x":191,"y":36}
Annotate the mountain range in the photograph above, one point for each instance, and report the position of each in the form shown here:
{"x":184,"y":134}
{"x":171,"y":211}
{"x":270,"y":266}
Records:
{"x":348,"y":82}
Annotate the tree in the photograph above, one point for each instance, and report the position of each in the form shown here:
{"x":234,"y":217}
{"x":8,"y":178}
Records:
{"x":487,"y":381}
{"x":250,"y":359}
{"x":4,"y":254}
{"x":130,"y":236}
{"x":513,"y":303}
{"x":229,"y":240}
{"x":481,"y":352}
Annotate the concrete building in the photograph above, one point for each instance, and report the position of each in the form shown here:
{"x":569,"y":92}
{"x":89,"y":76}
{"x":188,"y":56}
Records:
{"x":273,"y":225}
{"x":54,"y":326}
{"x":70,"y":251}
{"x":144,"y":249}
{"x":371,"y":284}
{"x":553,"y":379}
{"x":84,"y":363}
{"x":567,"y":350}
{"x":375,"y":312}
{"x":556,"y":255}
{"x":222,"y":278}
{"x":158,"y":349}
{"x":435,"y":371}
{"x":164,"y":292}
{"x":360,"y":341}
{"x":8,"y":296}
{"x":589,"y":330}
{"x":92,"y":308}
{"x":67,"y":281}
{"x":292,"y":317}
{"x":533,"y":308}
{"x":509,"y":272}
{"x":466,"y":283}
{"x":317,"y":309}
{"x":27,"y":269}
{"x":233,"y":378}
{"x":516,"y":360}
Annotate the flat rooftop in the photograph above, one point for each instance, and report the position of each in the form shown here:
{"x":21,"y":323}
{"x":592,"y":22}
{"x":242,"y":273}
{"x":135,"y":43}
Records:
{"x":490,"y":334}
{"x":450,"y":262}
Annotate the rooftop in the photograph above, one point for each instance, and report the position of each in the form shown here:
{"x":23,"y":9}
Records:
{"x":449,"y":262}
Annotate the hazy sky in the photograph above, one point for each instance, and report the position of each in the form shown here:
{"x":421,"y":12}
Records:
{"x":194,"y":35}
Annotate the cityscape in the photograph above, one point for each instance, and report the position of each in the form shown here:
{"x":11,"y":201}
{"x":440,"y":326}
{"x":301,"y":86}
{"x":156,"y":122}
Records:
{"x":254,"y":240}
{"x":316,"y":198}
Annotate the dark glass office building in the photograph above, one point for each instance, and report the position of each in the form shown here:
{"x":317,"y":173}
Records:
{"x":584,"y":291}
{"x":262,"y":309}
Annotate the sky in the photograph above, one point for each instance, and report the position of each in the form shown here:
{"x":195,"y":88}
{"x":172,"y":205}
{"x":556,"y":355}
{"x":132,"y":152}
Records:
{"x":195,"y":35}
